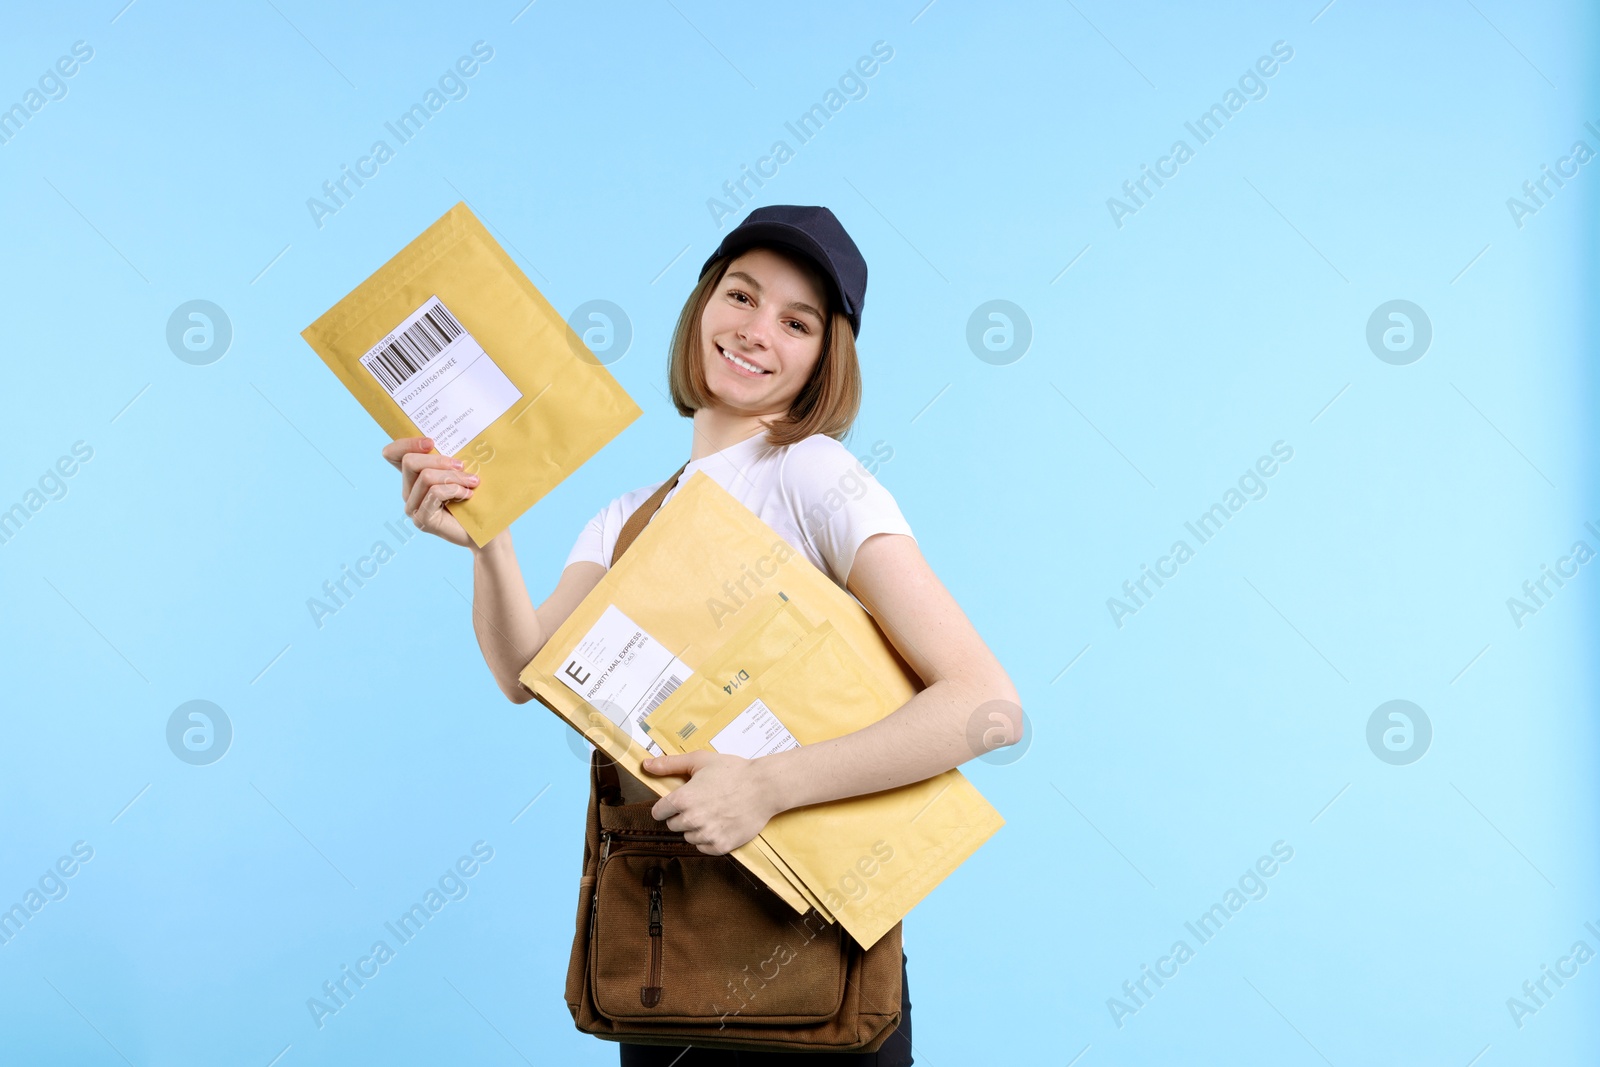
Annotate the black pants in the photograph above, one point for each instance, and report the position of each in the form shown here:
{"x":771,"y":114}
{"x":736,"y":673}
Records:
{"x":894,"y":1052}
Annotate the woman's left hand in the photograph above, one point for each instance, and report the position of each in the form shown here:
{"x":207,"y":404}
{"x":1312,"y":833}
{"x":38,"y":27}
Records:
{"x":725,"y":803}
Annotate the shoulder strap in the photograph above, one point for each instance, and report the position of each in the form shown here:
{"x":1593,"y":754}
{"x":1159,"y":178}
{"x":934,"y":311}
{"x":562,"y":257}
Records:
{"x":604,"y":782}
{"x":636,"y":521}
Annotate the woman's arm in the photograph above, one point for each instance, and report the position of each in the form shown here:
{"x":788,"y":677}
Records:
{"x":510,"y":631}
{"x":933,"y":731}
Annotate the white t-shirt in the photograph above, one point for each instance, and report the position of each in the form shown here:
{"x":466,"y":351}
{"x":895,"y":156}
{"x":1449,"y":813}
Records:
{"x":814,"y":493}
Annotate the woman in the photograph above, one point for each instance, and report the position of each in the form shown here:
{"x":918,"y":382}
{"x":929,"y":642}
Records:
{"x":764,"y":362}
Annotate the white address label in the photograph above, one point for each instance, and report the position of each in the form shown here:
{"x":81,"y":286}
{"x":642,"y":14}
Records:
{"x":623,"y":672}
{"x":754,"y":732}
{"x":441,"y":377}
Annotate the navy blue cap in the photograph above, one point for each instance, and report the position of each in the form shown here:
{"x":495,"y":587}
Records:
{"x":814,"y":232}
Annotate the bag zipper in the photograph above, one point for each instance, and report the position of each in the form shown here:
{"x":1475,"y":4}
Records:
{"x":648,"y":835}
{"x":650,"y":992}
{"x":605,"y":853}
{"x":656,"y":835}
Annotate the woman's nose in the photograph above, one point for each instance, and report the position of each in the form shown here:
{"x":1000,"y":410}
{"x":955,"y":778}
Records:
{"x":756,"y":333}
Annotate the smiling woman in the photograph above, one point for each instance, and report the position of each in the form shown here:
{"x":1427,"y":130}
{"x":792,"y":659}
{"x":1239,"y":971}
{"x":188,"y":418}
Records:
{"x":763,"y":362}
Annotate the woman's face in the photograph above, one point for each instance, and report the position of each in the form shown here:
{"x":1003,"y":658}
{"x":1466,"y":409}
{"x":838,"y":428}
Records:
{"x":769,"y":313}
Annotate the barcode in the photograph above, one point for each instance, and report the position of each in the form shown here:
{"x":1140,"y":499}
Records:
{"x":672,"y":682}
{"x":399,"y":361}
{"x":687,"y":729}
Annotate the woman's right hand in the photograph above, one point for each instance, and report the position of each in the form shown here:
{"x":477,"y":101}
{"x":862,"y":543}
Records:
{"x":427,"y":480}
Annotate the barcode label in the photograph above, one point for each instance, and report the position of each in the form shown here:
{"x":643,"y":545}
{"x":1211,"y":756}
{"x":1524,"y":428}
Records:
{"x":440,"y":376}
{"x":663,"y":693}
{"x":398,"y":361}
{"x":623,"y":672}
{"x":687,"y":730}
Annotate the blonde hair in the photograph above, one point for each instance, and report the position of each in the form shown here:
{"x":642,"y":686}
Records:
{"x":829,"y":401}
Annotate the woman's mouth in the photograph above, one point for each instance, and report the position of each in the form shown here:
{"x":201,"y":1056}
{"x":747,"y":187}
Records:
{"x":743,"y":366}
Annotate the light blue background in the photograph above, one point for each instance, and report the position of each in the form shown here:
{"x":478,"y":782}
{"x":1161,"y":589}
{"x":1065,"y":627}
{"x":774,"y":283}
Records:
{"x":1227,"y":314}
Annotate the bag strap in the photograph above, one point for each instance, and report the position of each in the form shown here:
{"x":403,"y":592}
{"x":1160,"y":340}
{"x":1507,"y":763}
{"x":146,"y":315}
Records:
{"x":643,"y":514}
{"x":606,"y":781}
{"x":607,"y":788}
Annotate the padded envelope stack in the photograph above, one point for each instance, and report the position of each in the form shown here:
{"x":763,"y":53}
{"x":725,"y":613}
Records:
{"x":711,"y":631}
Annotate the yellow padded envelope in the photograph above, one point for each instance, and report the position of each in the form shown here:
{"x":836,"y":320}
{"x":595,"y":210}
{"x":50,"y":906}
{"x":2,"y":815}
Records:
{"x":450,"y":340}
{"x":695,"y":576}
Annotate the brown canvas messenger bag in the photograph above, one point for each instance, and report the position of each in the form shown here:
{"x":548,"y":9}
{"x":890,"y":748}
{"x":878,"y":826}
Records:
{"x":673,"y":946}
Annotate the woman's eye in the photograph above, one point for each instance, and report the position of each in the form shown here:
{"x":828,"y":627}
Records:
{"x":797,"y":322}
{"x":737,"y":295}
